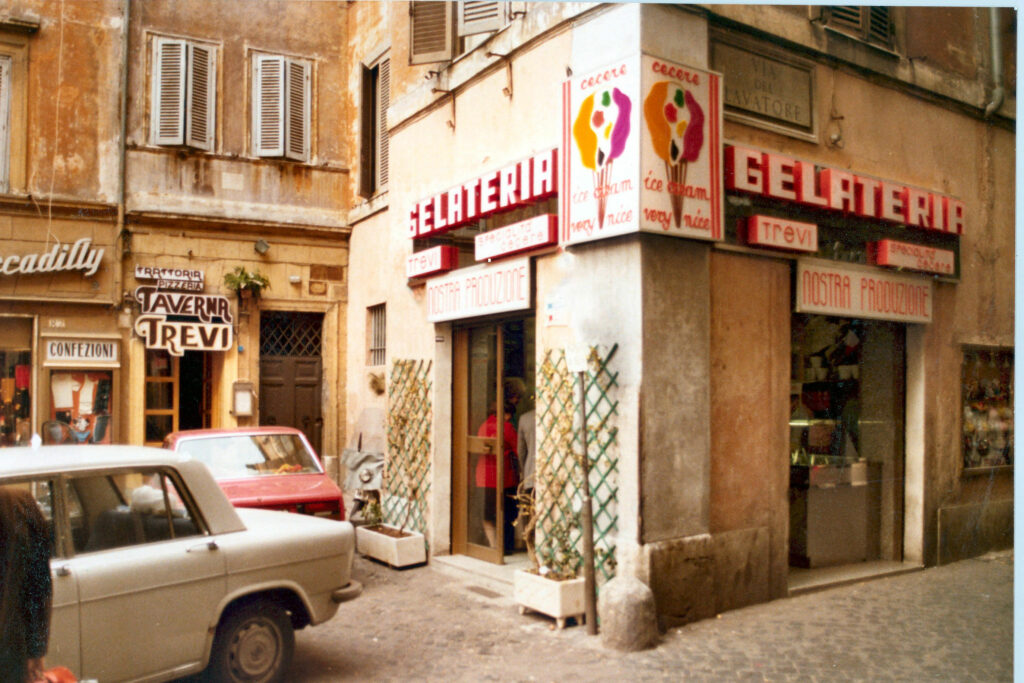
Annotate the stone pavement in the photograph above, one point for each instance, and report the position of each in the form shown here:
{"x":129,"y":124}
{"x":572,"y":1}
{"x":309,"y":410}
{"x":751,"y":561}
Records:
{"x":951,"y":623}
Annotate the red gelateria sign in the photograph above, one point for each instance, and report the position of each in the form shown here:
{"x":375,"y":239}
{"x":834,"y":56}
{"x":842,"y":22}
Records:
{"x":781,"y":177}
{"x":861,"y":292}
{"x":642,"y":151}
{"x":897,"y":254}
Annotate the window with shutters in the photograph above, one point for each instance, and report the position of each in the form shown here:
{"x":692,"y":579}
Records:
{"x":281,"y":89}
{"x":184,"y":103}
{"x":375,"y":97}
{"x":869,"y":23}
{"x":438,"y":28}
{"x":13,"y":112}
{"x":377,"y":341}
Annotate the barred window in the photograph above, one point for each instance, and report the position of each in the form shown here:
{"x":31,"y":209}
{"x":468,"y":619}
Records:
{"x":377,"y":327}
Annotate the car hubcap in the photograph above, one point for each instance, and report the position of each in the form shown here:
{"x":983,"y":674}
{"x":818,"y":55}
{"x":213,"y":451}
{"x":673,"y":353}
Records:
{"x":255,"y":650}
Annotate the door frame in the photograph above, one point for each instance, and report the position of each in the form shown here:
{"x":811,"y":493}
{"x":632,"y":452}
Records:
{"x":461,"y":545}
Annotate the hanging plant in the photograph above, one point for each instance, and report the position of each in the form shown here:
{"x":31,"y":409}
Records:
{"x":245,"y":283}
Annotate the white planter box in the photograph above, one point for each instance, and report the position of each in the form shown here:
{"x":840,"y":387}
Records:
{"x":397,"y":552}
{"x":558,"y":599}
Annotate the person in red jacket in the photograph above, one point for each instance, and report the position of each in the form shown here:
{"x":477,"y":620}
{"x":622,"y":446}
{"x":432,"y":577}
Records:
{"x":487,"y":474}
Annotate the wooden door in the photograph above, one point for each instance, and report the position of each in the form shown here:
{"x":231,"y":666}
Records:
{"x":291,"y":372}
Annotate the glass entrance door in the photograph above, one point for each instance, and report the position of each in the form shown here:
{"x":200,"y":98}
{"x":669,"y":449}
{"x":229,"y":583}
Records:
{"x":491,"y":363}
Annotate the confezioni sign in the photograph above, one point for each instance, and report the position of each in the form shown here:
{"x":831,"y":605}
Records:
{"x":78,"y":256}
{"x":769,"y":231}
{"x":480,"y":290}
{"x":533,"y":233}
{"x":439,"y":259}
{"x":861,"y":292}
{"x":643,"y":151}
{"x":780,"y":177}
{"x":172,"y":278}
{"x":179,"y":322}
{"x":898,"y":254}
{"x":81,"y":352}
{"x":515,"y":185}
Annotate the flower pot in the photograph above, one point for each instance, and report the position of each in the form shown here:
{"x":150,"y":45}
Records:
{"x":557,"y":599}
{"x":382,"y":542}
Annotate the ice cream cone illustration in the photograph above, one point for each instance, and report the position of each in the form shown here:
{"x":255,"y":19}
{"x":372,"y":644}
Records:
{"x":601,"y":130}
{"x":675,"y":121}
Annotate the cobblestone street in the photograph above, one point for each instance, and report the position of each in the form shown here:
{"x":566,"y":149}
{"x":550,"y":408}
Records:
{"x":951,"y":623}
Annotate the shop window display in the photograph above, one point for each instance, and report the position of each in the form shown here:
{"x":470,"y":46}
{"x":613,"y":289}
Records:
{"x":15,"y":398}
{"x":79,"y":407}
{"x":987,"y":387}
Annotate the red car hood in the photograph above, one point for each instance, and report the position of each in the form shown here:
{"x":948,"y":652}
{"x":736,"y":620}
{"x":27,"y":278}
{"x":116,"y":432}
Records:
{"x":279,"y":490}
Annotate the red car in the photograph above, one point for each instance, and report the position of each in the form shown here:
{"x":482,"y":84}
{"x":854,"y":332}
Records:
{"x":273,"y":468}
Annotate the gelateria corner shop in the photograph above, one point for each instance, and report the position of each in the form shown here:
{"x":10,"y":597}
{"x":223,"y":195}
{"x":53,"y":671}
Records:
{"x":763,"y":312}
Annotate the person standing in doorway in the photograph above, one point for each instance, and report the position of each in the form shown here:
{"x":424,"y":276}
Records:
{"x":25,"y":586}
{"x":526,"y":437}
{"x":487,"y":472}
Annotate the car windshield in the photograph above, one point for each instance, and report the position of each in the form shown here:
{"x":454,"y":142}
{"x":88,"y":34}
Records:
{"x":251,"y":455}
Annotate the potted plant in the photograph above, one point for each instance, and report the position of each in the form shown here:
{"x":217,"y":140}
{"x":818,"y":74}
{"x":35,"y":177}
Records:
{"x":244,"y":283}
{"x":394,"y":545}
{"x":552,"y":587}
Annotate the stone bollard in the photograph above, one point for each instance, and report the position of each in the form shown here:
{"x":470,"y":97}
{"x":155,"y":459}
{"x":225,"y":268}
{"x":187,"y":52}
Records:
{"x":629,"y":620}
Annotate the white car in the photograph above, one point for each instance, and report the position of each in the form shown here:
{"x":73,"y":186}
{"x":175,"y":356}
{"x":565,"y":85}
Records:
{"x":157,"y":576}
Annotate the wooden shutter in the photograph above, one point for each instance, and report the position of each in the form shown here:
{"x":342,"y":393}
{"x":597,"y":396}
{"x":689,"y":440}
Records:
{"x":297,"y":94}
{"x":268,"y":106}
{"x":168,"y":101}
{"x":199,"y":112}
{"x":480,"y":16}
{"x":5,"y":123}
{"x":845,"y":16}
{"x":431,"y":29}
{"x":381,"y":114}
{"x":879,"y":25}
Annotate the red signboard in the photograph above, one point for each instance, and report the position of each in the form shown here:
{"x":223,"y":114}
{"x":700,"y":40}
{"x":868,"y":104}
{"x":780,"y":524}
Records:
{"x":533,"y":233}
{"x":523,"y":182}
{"x":913,"y":256}
{"x":431,"y":261}
{"x":769,"y":231}
{"x":781,"y":177}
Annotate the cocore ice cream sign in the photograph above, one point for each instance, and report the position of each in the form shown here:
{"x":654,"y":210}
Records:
{"x":643,"y":152}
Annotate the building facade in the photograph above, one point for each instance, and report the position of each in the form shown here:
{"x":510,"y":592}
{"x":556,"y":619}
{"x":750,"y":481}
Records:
{"x":776,"y":241}
{"x":185,"y":149}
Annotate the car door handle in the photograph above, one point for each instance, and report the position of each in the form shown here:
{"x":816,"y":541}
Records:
{"x":209,"y":545}
{"x":63,"y":570}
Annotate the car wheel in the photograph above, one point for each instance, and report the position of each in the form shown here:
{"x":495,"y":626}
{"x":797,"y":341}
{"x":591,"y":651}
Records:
{"x":254,"y":644}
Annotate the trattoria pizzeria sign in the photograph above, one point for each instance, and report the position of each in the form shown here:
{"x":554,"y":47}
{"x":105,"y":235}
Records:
{"x":179,"y":322}
{"x":858,"y":292}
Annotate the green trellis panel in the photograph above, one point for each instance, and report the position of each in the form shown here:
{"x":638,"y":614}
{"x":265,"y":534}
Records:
{"x":559,"y":457}
{"x":407,"y":467}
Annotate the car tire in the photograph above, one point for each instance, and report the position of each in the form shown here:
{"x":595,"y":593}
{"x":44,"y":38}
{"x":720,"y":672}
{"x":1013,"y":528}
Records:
{"x":254,"y":644}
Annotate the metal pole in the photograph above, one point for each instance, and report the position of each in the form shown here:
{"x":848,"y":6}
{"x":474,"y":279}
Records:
{"x":589,"y":582}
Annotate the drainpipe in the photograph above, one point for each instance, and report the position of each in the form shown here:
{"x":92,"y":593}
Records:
{"x":996,"y":43}
{"x":123,"y":238}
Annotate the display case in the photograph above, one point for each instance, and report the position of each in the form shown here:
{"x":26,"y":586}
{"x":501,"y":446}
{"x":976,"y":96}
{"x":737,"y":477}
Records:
{"x":987,"y":394}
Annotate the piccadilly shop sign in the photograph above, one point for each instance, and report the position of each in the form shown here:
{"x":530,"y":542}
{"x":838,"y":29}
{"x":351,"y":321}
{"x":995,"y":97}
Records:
{"x":60,"y":257}
{"x":862,"y":292}
{"x":643,"y":152}
{"x":179,"y":322}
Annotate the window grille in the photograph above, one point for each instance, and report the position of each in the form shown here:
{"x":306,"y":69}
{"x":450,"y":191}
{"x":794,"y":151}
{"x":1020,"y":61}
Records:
{"x":287,"y":333}
{"x":378,"y":337}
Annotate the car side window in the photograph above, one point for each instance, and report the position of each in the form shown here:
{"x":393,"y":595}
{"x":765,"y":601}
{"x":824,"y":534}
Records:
{"x":129,"y":508}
